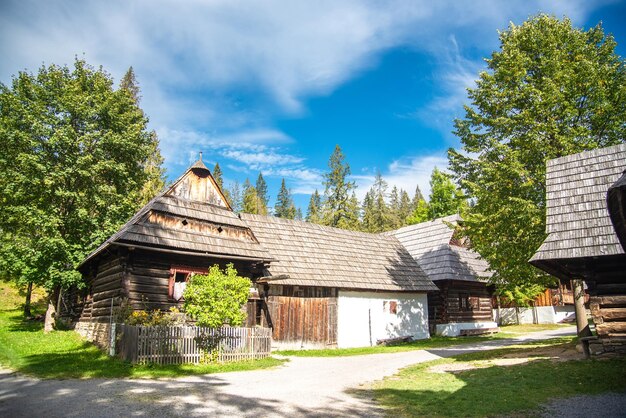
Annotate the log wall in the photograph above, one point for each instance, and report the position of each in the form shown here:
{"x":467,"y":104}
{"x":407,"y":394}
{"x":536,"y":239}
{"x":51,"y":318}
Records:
{"x":105,"y":289}
{"x":444,"y":306}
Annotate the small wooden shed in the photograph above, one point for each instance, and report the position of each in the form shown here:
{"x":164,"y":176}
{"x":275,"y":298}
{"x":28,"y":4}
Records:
{"x":464,"y":298}
{"x":582,"y":243}
{"x":332,"y":287}
{"x":182,"y":231}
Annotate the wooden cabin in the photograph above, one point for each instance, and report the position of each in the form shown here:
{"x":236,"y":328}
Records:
{"x":463,"y":302}
{"x":338,"y":288}
{"x":583,"y":243}
{"x":146,"y":264}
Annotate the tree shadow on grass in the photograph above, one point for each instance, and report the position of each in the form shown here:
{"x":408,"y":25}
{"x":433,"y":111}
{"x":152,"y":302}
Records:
{"x":496,"y":390}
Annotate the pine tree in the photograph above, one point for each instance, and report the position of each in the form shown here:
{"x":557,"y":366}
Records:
{"x":284,"y":207}
{"x":367,"y":208}
{"x":250,"y":200}
{"x":394,"y":218}
{"x":338,"y":189}
{"x":219,"y":180}
{"x":154,"y":165}
{"x":235,"y":196}
{"x":416,"y":198}
{"x":261,"y":191}
{"x":298,"y":214}
{"x":376,"y":211}
{"x":129,"y":84}
{"x":351,"y":220}
{"x":314,"y":211}
{"x":404,"y":210}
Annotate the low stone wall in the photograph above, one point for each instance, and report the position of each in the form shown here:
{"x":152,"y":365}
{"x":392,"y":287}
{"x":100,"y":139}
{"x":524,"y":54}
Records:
{"x":98,"y":333}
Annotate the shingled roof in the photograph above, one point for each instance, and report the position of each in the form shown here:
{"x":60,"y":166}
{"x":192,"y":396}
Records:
{"x":315,"y":255}
{"x":191,"y":216}
{"x":430,"y":243}
{"x":577,"y":220}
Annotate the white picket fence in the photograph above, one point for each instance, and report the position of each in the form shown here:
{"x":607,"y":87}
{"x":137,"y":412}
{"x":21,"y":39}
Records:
{"x":187,"y":344}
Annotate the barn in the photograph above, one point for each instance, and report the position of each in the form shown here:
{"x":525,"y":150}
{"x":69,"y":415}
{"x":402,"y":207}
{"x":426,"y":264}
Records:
{"x":582,"y":241}
{"x":463,"y":302}
{"x":338,"y":288}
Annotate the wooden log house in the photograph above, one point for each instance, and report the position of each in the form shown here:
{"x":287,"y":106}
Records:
{"x":463,"y":303}
{"x":583,"y":243}
{"x":146,"y":264}
{"x":315,"y":286}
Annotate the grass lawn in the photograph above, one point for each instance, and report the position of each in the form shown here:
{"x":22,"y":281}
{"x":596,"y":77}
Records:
{"x":509,"y":331}
{"x":64,"y":354}
{"x":498,"y":382}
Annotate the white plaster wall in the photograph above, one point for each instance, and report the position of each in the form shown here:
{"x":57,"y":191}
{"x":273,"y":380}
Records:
{"x":453,"y":329}
{"x":545,"y":315}
{"x":362,"y":320}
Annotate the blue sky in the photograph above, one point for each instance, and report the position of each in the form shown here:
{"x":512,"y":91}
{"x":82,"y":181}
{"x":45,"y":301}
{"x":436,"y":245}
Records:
{"x":272,"y":86}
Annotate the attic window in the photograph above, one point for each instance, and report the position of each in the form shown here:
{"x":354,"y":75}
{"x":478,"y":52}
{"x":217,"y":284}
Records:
{"x":184,"y":222}
{"x":220,"y":229}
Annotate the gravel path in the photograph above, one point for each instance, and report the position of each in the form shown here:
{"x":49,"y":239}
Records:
{"x":309,"y":387}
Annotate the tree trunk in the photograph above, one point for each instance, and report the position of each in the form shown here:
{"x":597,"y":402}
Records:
{"x":29,"y":293}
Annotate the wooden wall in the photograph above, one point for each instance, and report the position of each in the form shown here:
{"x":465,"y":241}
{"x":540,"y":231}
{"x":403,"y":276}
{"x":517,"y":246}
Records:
{"x":139,"y":278}
{"x":443,"y":306}
{"x":303,"y":321}
{"x":105,"y":288}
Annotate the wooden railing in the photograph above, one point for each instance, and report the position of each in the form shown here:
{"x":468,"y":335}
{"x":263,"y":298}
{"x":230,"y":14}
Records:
{"x":191,"y":344}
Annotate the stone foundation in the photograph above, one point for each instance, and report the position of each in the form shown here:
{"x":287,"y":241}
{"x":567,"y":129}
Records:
{"x":599,"y":346}
{"x":98,"y":333}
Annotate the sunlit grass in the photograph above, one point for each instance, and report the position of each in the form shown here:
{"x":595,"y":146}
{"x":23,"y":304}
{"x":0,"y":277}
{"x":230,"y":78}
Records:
{"x":64,"y":354}
{"x":493,"y":390}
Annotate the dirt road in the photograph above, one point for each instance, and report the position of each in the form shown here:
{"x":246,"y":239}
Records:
{"x":307,"y":387}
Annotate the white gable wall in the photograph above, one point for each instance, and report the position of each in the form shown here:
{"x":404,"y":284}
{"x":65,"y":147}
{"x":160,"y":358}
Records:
{"x":364,"y":317}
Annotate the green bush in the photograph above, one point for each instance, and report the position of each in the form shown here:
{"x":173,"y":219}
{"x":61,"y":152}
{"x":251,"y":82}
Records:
{"x":217,"y":298}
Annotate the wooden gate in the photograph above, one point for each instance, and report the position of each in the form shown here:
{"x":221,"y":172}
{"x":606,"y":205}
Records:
{"x":308,"y":321}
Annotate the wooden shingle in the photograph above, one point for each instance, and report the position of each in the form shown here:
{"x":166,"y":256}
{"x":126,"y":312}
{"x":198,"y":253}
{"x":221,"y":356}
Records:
{"x":429,"y":243}
{"x":577,"y":220}
{"x":315,"y":255}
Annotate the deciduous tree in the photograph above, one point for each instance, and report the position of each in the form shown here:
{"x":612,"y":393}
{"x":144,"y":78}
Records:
{"x":72,"y":167}
{"x":549,"y":91}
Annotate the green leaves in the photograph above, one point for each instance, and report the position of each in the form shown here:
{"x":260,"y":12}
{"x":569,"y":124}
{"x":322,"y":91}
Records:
{"x":74,"y":160}
{"x":217,"y":298}
{"x":551,"y":90}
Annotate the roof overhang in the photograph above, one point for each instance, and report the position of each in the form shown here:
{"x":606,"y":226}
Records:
{"x":131,"y":245}
{"x":587,"y":268}
{"x":616,"y":204}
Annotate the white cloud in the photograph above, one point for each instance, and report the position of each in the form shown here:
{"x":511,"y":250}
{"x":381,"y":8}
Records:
{"x":406,"y":173}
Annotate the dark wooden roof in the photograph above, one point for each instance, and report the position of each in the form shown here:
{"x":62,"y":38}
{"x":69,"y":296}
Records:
{"x":430,"y":244}
{"x":577,"y":221}
{"x":315,"y":255}
{"x":191,"y":216}
{"x":616,"y":203}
